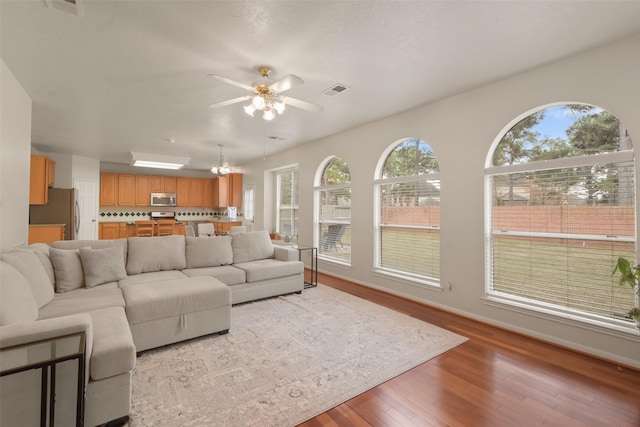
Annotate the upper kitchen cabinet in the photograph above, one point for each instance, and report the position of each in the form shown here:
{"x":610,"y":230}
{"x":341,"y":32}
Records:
{"x":170,"y":185}
{"x":227,"y":191}
{"x":42,"y":177}
{"x":196,"y":186}
{"x":235,"y":190}
{"x":207,"y":192}
{"x":126,"y":190}
{"x":157,"y":184}
{"x":143,"y":190}
{"x":183,"y":187}
{"x":108,"y":189}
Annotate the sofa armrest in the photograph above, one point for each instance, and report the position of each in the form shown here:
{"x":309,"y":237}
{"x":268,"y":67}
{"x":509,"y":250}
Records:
{"x":39,"y":330}
{"x":285,"y":253}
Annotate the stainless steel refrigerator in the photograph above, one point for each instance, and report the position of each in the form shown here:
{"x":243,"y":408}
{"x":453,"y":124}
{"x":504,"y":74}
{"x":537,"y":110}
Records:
{"x":62,"y":208}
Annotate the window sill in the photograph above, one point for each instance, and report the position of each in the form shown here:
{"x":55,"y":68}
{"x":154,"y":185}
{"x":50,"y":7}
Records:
{"x":432,"y":285}
{"x":620,"y":329}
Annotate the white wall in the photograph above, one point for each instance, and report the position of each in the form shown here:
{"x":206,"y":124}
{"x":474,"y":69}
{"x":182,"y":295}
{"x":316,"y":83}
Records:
{"x":15,"y":151}
{"x":461,"y":130}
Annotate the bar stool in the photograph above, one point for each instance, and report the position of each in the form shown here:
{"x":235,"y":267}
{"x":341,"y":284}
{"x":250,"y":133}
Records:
{"x":166,"y":227}
{"x":144,"y":228}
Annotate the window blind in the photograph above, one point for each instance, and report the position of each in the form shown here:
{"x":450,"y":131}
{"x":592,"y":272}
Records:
{"x":287,"y":206}
{"x":408,"y":227}
{"x":334,"y":223}
{"x":556,"y":235}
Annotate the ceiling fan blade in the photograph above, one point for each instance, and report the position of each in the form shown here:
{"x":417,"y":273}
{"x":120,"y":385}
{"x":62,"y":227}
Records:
{"x":232,"y":82}
{"x":230,"y":101}
{"x":314,"y":108}
{"x":287,"y":83}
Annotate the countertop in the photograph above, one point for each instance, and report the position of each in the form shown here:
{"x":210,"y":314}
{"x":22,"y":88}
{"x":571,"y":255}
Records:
{"x":47,"y":225}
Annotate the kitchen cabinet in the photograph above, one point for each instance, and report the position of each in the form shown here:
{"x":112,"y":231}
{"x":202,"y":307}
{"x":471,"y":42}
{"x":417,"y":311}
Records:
{"x":126,"y":190}
{"x":227,"y":191}
{"x":195,"y":192}
{"x":42,"y":176}
{"x":170,"y":185}
{"x":221,"y":192}
{"x":207,"y":193}
{"x":235,"y":190}
{"x":183,"y":187}
{"x":179,"y":229}
{"x":157,"y":184}
{"x":143,"y":190}
{"x":112,"y":230}
{"x":46,"y":233}
{"x":108,"y":189}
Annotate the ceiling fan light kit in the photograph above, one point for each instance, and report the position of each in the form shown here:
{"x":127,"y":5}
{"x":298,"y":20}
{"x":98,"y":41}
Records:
{"x":265,"y":97}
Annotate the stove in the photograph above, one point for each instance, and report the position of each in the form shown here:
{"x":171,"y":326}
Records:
{"x":162,"y":215}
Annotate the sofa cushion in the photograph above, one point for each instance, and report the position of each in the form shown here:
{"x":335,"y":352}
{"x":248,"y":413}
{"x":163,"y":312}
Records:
{"x":17,"y":304}
{"x":102,"y":265}
{"x":227,"y":274}
{"x":83,"y":300}
{"x":93,"y":244}
{"x":170,"y":298}
{"x":68,"y":269}
{"x":147,"y":254}
{"x":266,"y":269}
{"x":251,"y":246}
{"x":113,"y":350}
{"x":29,"y":266}
{"x":156,"y":276}
{"x":208,"y":251}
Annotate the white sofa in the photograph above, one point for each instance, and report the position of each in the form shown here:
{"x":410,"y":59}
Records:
{"x":127,"y":296}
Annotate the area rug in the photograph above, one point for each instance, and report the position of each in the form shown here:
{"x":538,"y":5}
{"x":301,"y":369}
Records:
{"x":285,"y":360}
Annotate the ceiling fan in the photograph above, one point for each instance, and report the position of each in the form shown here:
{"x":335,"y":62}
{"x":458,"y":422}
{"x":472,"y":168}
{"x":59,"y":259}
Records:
{"x":267,"y":97}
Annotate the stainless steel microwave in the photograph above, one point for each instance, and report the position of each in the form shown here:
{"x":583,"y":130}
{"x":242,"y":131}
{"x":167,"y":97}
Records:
{"x":163,"y":199}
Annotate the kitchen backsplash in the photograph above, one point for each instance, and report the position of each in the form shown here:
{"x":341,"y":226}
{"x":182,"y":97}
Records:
{"x":131,"y":213}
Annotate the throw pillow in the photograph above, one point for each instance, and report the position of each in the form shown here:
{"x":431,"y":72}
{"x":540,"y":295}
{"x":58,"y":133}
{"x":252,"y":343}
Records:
{"x":208,"y":251}
{"x":102,"y":266}
{"x":67,"y":268}
{"x":148,"y":254}
{"x":251,"y":246}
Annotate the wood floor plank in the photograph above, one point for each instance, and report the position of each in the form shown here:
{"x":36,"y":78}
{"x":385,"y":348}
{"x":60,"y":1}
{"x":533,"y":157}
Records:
{"x":497,"y":378}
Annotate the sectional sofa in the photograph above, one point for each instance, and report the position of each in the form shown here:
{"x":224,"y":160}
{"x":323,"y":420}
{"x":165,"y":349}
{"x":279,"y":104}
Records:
{"x":126,"y":296}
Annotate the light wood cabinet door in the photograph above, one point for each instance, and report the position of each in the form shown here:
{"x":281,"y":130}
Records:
{"x":170,"y":185}
{"x":41,"y":177}
{"x":108,"y":189}
{"x":221,"y":192}
{"x":235,"y":190}
{"x":126,"y":190}
{"x":183,"y":187}
{"x":109,"y":230}
{"x":195,"y":191}
{"x":143,"y":190}
{"x":207,"y":193}
{"x":122,"y":230}
{"x":179,"y":229}
{"x":157,"y":184}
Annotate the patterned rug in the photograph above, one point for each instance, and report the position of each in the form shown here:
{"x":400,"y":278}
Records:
{"x":285,"y":360}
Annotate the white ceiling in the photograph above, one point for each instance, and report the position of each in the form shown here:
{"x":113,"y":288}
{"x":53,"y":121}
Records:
{"x":131,"y":75}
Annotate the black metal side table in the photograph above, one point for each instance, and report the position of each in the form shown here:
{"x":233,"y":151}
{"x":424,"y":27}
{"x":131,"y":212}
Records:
{"x":45,"y":355}
{"x":314,"y":264}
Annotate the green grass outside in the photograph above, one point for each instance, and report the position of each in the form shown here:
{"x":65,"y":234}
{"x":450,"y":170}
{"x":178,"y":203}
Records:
{"x":528,"y":268}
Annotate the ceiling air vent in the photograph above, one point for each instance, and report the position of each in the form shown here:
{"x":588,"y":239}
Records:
{"x":72,"y":7}
{"x":335,"y":90}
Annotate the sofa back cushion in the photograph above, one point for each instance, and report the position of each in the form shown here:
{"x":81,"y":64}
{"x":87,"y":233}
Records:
{"x":17,"y":304}
{"x":251,"y":246}
{"x":208,"y":251}
{"x":92,"y":244}
{"x":29,"y":266}
{"x":148,"y":254}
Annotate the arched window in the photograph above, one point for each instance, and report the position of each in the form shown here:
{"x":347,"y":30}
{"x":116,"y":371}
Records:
{"x":407,"y":217}
{"x":333,"y":211}
{"x":562,"y":187}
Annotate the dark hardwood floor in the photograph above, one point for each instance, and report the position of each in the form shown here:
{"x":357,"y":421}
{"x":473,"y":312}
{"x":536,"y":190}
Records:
{"x":497,"y":378}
